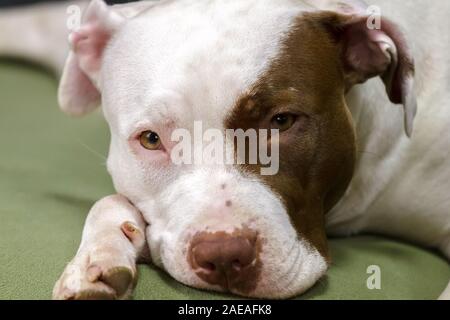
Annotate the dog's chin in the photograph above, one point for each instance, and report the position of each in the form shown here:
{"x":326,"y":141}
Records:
{"x":279,"y":277}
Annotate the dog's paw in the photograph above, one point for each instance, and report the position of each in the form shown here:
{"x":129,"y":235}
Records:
{"x":86,"y":280}
{"x":101,"y":272}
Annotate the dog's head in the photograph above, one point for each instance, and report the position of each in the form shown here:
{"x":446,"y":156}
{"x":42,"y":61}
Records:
{"x":253,"y":64}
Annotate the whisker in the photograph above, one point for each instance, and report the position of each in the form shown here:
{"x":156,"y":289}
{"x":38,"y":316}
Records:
{"x":96,"y":153}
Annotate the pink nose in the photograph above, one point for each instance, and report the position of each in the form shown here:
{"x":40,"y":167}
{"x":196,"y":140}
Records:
{"x":228,"y":260}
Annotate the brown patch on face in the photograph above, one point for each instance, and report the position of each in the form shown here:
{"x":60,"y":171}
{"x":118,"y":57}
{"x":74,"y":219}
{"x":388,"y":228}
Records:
{"x":229,"y":260}
{"x":317,"y":153}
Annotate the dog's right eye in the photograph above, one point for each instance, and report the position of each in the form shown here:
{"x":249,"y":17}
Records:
{"x":282,"y":121}
{"x":150,"y":140}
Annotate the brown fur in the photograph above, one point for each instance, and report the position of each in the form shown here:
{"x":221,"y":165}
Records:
{"x":317,"y":153}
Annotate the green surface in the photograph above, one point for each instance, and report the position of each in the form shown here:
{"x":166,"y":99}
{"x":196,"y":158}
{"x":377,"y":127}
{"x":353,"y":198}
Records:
{"x":52,"y":169}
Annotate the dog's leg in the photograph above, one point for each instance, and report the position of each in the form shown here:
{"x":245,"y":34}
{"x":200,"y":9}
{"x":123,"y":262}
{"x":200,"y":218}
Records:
{"x":445,"y":248}
{"x":38,"y":32}
{"x":105,"y":264}
{"x":446,"y":294}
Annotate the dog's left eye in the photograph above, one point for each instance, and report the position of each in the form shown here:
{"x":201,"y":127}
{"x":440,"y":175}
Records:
{"x":150,"y":140}
{"x":282,"y":121}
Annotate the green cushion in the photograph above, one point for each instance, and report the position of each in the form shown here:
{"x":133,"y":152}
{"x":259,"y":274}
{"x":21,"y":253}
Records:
{"x":52,"y":169}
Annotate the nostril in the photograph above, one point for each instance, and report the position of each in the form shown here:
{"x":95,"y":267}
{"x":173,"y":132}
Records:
{"x":208,"y":266}
{"x":236,"y":265}
{"x":228,"y":260}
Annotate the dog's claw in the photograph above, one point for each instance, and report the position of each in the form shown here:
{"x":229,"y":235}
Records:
{"x":133,"y":233}
{"x":119,"y":278}
{"x":95,"y":295}
{"x":130,"y":230}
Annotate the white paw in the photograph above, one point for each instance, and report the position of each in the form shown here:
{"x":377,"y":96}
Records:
{"x":446,"y":294}
{"x":101,"y":272}
{"x":85,"y":280}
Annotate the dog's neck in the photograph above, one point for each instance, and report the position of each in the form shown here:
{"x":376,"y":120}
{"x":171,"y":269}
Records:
{"x":380,"y":140}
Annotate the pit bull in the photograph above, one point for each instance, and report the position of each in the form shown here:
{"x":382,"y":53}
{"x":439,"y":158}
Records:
{"x":360,"y":101}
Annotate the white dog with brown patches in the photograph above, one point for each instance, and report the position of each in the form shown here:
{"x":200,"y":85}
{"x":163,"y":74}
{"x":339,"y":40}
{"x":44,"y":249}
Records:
{"x":346,"y":166}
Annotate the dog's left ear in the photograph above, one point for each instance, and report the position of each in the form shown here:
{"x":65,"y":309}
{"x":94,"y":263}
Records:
{"x":369,"y":50}
{"x":80,"y":86}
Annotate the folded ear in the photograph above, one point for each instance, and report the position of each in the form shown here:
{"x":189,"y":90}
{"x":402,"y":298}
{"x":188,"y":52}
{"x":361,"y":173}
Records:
{"x":369,"y":52}
{"x":80,"y":86}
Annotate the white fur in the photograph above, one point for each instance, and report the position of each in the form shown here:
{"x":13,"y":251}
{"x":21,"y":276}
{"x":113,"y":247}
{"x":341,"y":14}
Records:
{"x":196,"y":202}
{"x":103,"y":247}
{"x":181,"y":61}
{"x":198,"y":70}
{"x":399,"y":185}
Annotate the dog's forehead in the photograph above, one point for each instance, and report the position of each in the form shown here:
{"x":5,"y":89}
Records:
{"x":192,"y":60}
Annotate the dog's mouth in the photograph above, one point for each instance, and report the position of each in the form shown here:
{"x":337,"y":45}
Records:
{"x":244,"y":262}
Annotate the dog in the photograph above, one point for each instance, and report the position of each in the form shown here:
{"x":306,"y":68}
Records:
{"x":344,"y":88}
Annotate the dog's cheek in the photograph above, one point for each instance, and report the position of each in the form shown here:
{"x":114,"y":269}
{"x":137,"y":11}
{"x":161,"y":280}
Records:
{"x":126,"y":176}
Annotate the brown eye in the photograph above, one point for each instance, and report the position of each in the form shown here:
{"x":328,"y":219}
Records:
{"x":282,"y":121}
{"x":150,"y":140}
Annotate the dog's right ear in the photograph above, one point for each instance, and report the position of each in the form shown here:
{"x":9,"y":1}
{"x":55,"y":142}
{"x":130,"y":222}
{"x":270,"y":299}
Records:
{"x":80,"y":86}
